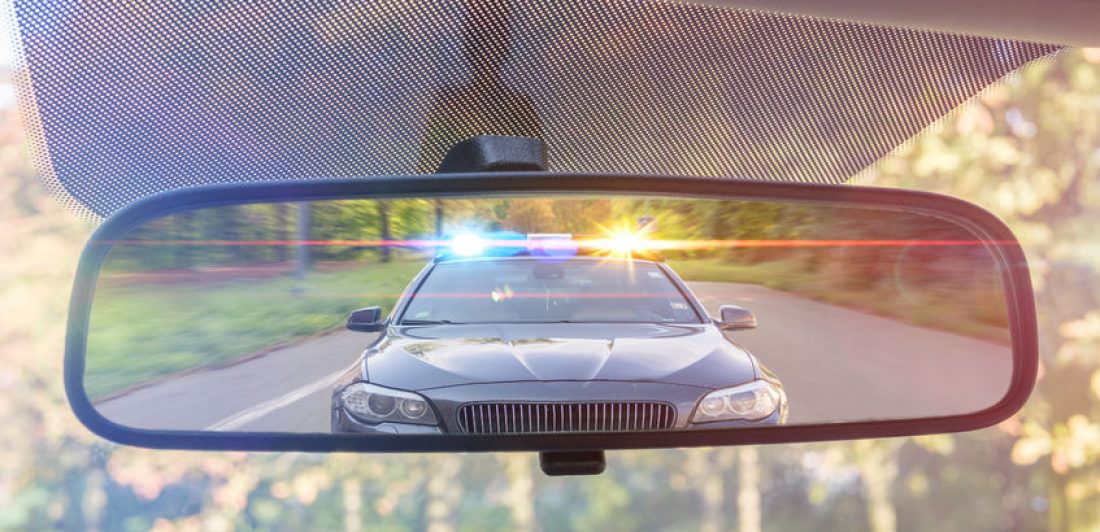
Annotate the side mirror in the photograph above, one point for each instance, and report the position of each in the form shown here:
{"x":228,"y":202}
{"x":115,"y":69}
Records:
{"x":366,"y":320}
{"x":735,"y":318}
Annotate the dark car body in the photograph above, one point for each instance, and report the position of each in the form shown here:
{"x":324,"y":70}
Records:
{"x":554,"y":377}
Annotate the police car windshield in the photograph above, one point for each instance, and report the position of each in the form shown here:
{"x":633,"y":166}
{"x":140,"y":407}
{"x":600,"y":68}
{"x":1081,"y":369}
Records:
{"x":531,"y":290}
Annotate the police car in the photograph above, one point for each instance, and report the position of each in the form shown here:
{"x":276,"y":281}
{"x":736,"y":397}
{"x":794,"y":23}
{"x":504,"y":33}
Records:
{"x":528,"y":334}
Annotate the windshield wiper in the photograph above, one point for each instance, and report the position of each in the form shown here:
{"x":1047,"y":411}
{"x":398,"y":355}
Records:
{"x":429,"y":322}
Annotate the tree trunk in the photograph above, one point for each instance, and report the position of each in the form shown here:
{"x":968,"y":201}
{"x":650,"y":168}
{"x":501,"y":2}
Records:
{"x":384,"y":230}
{"x":521,"y":492}
{"x":708,"y":467}
{"x":878,"y":469}
{"x":438,"y":218}
{"x":444,"y":493}
{"x":714,"y":494}
{"x":748,"y":490}
{"x":301,"y":257}
{"x":282,"y":231}
{"x":185,"y":229}
{"x":353,"y":505}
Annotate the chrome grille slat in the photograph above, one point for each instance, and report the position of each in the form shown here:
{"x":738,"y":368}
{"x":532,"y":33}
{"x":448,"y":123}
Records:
{"x":563,"y":417}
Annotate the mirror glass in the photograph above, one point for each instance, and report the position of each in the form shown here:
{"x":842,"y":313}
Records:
{"x":554,"y":314}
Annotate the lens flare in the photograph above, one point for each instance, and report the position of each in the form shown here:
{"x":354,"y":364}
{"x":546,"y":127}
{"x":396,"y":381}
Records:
{"x":626,"y":243}
{"x":468,"y":245}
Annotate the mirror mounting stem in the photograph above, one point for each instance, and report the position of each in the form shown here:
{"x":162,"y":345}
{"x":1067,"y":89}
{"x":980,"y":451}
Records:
{"x":495,"y":153}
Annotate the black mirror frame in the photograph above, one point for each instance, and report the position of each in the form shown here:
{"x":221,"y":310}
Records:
{"x":986,"y":226}
{"x":376,"y":325}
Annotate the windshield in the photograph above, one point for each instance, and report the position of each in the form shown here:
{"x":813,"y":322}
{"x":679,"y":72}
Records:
{"x":537,"y":291}
{"x":130,"y":98}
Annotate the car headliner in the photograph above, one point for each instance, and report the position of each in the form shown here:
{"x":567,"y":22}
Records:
{"x":1065,"y":22}
{"x":126,"y":103}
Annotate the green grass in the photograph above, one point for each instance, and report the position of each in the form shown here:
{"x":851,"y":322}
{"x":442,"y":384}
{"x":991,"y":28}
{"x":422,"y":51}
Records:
{"x":141,"y":332}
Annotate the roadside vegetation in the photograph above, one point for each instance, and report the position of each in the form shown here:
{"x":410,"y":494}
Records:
{"x":981,"y":316}
{"x":145,"y":331}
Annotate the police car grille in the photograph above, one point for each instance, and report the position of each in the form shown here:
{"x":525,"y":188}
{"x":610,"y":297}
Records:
{"x":538,"y":418}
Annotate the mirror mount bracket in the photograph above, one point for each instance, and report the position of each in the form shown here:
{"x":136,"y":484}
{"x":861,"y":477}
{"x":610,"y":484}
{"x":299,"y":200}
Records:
{"x":568,"y":463}
{"x":495,"y":153}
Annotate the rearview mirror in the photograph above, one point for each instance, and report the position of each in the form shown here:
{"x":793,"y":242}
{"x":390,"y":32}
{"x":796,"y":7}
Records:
{"x":545,"y":312}
{"x":736,"y":318}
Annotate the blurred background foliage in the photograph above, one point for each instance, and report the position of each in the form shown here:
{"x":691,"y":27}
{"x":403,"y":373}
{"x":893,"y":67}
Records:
{"x":1027,"y":148}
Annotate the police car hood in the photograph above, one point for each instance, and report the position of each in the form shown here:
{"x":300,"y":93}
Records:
{"x":436,"y":356}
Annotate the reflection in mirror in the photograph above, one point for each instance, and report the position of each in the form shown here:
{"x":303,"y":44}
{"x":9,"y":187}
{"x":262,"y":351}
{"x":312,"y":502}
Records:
{"x":551,"y":314}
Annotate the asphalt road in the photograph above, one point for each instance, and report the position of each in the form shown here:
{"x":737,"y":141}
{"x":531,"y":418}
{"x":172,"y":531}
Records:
{"x":837,"y":364}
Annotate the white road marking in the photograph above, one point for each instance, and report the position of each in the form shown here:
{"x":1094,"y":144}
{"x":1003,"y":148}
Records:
{"x":249,"y":415}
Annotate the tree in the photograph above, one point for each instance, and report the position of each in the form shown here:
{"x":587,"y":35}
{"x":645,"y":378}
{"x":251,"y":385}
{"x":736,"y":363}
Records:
{"x":1025,"y":149}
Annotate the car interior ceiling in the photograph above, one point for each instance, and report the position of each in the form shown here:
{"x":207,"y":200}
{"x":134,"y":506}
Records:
{"x":828,"y":98}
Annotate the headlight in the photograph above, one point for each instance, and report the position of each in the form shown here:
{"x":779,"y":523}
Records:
{"x":752,"y":401}
{"x":375,"y":404}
